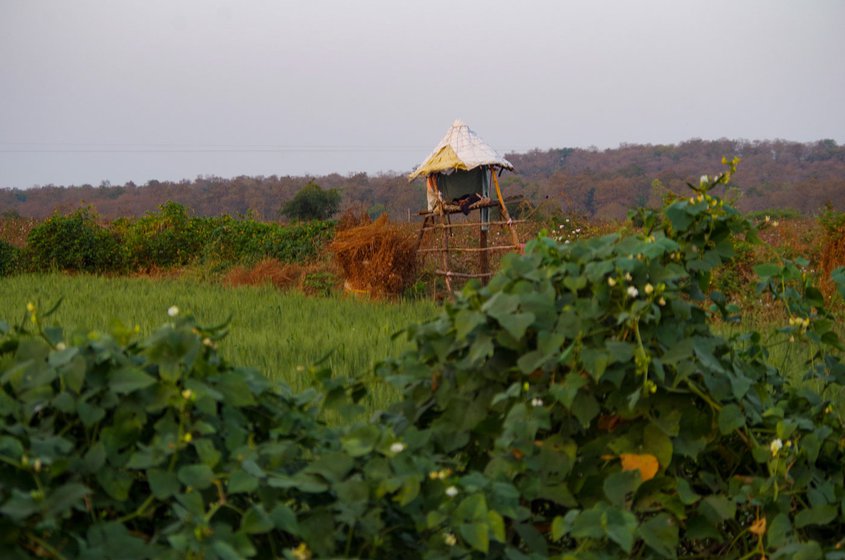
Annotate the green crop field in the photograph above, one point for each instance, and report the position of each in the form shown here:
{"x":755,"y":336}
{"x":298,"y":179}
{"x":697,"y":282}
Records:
{"x":279,"y":333}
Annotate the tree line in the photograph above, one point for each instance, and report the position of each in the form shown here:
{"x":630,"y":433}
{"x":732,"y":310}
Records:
{"x":805,"y":177}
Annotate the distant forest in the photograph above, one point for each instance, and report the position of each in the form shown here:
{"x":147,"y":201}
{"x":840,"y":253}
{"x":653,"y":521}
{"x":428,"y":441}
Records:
{"x":777,"y":174}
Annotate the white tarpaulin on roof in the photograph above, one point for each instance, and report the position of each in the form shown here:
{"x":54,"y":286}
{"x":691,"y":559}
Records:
{"x":460,"y":149}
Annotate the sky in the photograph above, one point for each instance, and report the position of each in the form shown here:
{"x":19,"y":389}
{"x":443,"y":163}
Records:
{"x":95,"y":91}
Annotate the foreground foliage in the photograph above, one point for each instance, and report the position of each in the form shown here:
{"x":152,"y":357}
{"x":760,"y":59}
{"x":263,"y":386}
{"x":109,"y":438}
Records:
{"x":579,"y":406}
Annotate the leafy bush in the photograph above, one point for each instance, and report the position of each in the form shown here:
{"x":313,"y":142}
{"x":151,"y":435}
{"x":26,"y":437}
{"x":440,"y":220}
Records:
{"x":164,"y":239}
{"x":75,"y":242}
{"x":9,"y":257}
{"x":249,"y":241}
{"x":587,"y":408}
{"x":150,"y":449}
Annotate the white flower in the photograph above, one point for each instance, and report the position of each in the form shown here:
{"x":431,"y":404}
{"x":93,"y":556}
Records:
{"x":450,"y":539}
{"x":173,"y":311}
{"x":633,"y":292}
{"x":611,"y":281}
{"x":776,"y":446}
{"x":397,"y":447}
{"x":704,"y":179}
{"x":648,"y":289}
{"x":536,"y":402}
{"x":452,"y":491}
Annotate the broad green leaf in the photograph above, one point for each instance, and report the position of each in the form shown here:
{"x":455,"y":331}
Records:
{"x":241,"y":481}
{"x":116,"y":483}
{"x":127,"y":380}
{"x":660,"y":533}
{"x":20,"y":505}
{"x":818,"y":515}
{"x":565,"y":392}
{"x":234,"y":388}
{"x":562,"y":525}
{"x":658,"y":444}
{"x":516,"y":324}
{"x":64,"y":498}
{"x":595,"y":361}
{"x":256,"y":520}
{"x":588,"y":524}
{"x":94,"y":458}
{"x":800,"y":551}
{"x":409,"y":490}
{"x":687,"y":495}
{"x":361,"y":440}
{"x":476,"y":535}
{"x":206,"y":451}
{"x":778,"y":531}
{"x":730,"y":418}
{"x":621,"y":527}
{"x":284,"y":519}
{"x":679,"y":216}
{"x":10,"y":447}
{"x":163,"y":484}
{"x":585,"y":408}
{"x":196,"y":476}
{"x":497,"y":526}
{"x":618,"y":486}
{"x":466,"y":320}
{"x":718,"y":508}
{"x":224,"y":551}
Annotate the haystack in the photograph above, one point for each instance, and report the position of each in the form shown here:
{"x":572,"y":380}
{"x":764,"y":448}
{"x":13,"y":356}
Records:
{"x":377,"y":258}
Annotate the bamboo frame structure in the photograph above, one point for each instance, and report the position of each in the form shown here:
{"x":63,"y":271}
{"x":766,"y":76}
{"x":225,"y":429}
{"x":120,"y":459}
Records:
{"x":438,"y":221}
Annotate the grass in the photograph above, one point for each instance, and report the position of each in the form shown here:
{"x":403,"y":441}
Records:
{"x":279,"y":333}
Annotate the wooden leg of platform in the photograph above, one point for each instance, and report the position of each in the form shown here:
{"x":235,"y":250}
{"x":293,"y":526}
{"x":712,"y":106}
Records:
{"x":445,"y":255}
{"x":485,"y":257}
{"x":505,"y":213}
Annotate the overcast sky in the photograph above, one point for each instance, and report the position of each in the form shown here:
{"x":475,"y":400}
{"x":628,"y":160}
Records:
{"x":119,"y":90}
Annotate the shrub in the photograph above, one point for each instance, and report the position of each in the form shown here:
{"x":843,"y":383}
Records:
{"x":75,"y":242}
{"x":248,"y":241}
{"x":164,"y":239}
{"x":9,"y":257}
{"x":587,"y":408}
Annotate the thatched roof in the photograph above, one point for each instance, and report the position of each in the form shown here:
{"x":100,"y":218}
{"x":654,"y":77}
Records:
{"x":461,"y":149}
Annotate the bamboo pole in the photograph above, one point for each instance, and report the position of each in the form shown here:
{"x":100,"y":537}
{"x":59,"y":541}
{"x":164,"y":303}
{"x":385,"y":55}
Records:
{"x":504,"y":208}
{"x":471,"y":249}
{"x":473,"y":224}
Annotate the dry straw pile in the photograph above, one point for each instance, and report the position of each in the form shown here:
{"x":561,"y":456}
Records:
{"x":378,"y":258}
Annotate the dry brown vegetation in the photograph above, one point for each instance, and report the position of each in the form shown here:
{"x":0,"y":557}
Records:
{"x":266,"y":272}
{"x":376,"y":257}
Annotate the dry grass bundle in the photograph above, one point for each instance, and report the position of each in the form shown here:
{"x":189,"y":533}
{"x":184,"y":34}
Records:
{"x":377,"y":257}
{"x":266,"y":271}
